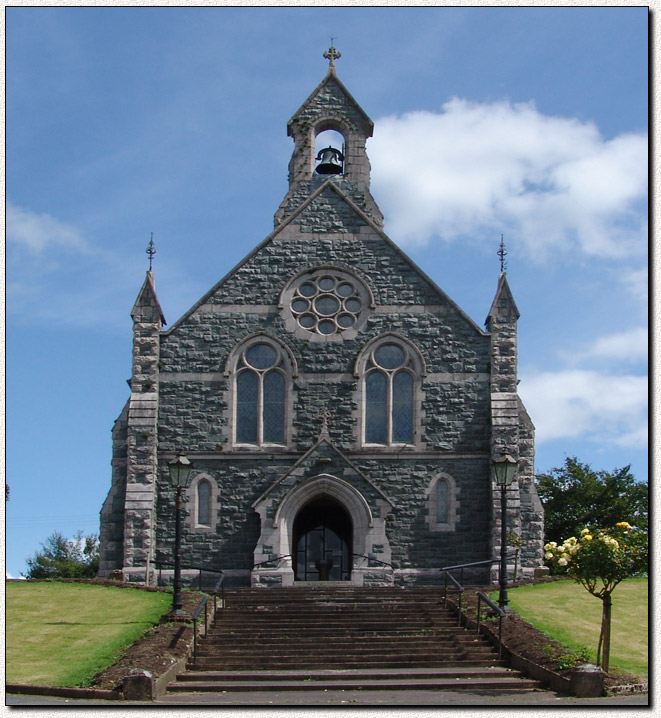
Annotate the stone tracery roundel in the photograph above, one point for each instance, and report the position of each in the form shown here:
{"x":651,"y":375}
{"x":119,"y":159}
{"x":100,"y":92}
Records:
{"x":326,"y":303}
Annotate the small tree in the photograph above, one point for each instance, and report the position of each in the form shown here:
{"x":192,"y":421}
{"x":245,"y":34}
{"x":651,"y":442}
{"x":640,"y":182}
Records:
{"x":599,"y":560}
{"x":64,"y":558}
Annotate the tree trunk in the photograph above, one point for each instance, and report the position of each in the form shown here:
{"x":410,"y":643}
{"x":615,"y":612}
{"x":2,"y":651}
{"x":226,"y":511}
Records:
{"x":606,"y":631}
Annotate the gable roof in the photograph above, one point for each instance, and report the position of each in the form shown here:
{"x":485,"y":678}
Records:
{"x":323,"y":449}
{"x":329,"y":186}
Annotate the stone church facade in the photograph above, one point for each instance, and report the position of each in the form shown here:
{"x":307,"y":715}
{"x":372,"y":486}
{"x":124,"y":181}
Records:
{"x":341,"y":412}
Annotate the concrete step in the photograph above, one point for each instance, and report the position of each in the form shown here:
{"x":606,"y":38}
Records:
{"x":453,"y":684}
{"x":310,"y":663}
{"x":349,"y":642}
{"x":395,"y":679}
{"x":325,"y":626}
{"x":281,"y":652}
{"x":354,"y":674}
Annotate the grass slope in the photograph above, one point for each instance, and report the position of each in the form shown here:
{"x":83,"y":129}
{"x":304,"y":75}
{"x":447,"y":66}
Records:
{"x":63,"y":634}
{"x":565,"y":611}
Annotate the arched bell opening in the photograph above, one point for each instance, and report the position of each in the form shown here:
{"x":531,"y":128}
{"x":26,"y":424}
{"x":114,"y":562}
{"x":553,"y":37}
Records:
{"x":322,"y":540}
{"x":329,"y":152}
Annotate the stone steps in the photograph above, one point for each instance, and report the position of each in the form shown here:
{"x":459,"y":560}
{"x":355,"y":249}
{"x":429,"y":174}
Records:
{"x":358,"y":663}
{"x":437,"y":678}
{"x":239,"y":640}
{"x":342,"y":637}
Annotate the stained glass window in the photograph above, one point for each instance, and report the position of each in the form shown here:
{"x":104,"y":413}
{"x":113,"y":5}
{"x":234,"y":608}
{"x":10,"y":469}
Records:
{"x":390,"y":395}
{"x":327,"y":302}
{"x":442,"y":501}
{"x":376,"y":420}
{"x":204,"y":503}
{"x":247,"y":396}
{"x":260,"y":396}
{"x":402,"y":407}
{"x":274,"y":408}
{"x":389,"y":356}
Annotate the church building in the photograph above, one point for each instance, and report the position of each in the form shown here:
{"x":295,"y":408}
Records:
{"x":341,"y":412}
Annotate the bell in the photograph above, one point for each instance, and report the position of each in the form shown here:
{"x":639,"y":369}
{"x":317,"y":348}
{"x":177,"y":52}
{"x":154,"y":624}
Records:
{"x":330,"y":161}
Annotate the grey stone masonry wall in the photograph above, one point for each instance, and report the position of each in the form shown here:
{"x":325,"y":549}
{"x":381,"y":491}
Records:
{"x":454,"y":400}
{"x":112,"y":513}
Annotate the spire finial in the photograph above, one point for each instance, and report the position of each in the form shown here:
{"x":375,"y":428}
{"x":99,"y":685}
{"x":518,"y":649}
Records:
{"x":502,"y":252}
{"x":331,"y":55}
{"x":151,"y":251}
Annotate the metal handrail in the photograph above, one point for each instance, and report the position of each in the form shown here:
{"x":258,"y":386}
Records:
{"x":480,"y":597}
{"x":201,"y":569}
{"x":203,"y":605}
{"x":499,"y":611}
{"x":462,"y":566}
{"x":196,"y":613}
{"x":371,"y":558}
{"x":271,"y":560}
{"x":461,"y":594}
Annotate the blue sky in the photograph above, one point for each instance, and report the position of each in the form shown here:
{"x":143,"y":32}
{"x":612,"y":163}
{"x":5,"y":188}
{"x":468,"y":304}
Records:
{"x":530,"y":122}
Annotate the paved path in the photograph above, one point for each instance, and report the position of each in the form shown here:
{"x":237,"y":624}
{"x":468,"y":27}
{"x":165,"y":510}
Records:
{"x":349,"y":699}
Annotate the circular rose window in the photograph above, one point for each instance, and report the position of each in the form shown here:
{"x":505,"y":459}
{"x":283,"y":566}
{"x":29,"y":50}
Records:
{"x":325,"y":303}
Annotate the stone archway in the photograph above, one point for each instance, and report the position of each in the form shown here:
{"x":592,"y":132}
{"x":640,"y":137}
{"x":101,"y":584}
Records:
{"x":275,"y":552}
{"x":322,"y":541}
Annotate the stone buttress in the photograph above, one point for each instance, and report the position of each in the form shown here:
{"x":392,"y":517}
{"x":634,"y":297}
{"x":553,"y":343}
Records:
{"x":512,"y":432}
{"x":135,"y":461}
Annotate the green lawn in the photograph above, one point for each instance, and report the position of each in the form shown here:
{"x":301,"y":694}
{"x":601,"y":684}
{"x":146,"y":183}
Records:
{"x":565,"y":611}
{"x":63,"y":634}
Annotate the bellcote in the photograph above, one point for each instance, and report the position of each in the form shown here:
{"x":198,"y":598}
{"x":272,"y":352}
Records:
{"x":330,"y":119}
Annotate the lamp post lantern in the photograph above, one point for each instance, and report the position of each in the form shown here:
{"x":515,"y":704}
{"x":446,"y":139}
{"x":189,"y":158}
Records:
{"x":180,"y":470}
{"x":504,"y":468}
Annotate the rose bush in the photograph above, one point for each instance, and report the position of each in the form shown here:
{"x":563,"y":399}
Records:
{"x":599,"y":559}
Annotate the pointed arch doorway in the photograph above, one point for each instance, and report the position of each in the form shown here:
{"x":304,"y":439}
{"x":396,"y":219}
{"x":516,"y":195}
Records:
{"x":335,"y":505}
{"x":323,"y":539}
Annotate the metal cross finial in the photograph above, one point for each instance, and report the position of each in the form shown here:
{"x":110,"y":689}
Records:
{"x":324,"y":415}
{"x":331,"y":55}
{"x":502,"y":252}
{"x":151,"y":251}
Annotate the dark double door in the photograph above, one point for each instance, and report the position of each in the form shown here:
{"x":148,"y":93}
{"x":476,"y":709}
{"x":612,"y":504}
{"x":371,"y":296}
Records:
{"x":322,"y":537}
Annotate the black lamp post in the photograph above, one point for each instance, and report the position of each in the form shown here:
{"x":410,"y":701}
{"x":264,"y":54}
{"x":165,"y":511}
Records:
{"x":504,"y":468}
{"x":180,"y":469}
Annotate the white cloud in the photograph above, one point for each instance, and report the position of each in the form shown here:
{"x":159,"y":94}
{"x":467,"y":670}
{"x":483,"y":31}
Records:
{"x":587,"y":404}
{"x":628,"y":346}
{"x":635,"y":281}
{"x":547,"y":182}
{"x":37,"y":233}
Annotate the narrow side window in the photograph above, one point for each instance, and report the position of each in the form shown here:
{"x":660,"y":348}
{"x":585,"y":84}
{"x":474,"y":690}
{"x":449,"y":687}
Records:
{"x":204,"y":503}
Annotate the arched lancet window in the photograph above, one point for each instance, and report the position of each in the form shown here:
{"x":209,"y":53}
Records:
{"x":203,"y":503}
{"x":388,"y":397}
{"x":260,"y":394}
{"x":202,"y":500}
{"x":390,"y":374}
{"x":442,"y":503}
